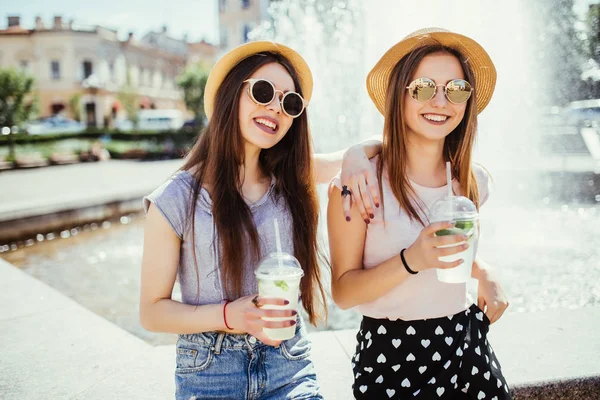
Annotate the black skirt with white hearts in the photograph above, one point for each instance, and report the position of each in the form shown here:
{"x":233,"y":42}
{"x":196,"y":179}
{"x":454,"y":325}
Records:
{"x":440,"y":358}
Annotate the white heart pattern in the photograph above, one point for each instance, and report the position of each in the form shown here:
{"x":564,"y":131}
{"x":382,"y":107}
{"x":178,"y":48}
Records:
{"x":487,"y":375}
{"x":362,"y":345}
{"x":447,"y":365}
{"x":425,"y":343}
{"x":397,"y":367}
{"x":368,"y":369}
{"x":494,"y":364}
{"x":405,"y":383}
{"x":440,"y":391}
{"x":459,"y":352}
{"x":381,"y":359}
{"x":368,"y":335}
{"x":370,"y":343}
{"x":499,"y":382}
{"x":474,"y":370}
{"x":396,"y":342}
{"x":479,"y":334}
{"x":410,"y":357}
{"x":439,"y":330}
{"x":357,"y":375}
{"x":479,"y":316}
{"x":416,"y":393}
{"x":436,"y":356}
{"x":505,"y":388}
{"x":466,"y":388}
{"x":478,"y":351}
{"x":495,"y":398}
{"x":432,"y":381}
{"x":487,"y":359}
{"x":481,"y":395}
{"x":449,"y":340}
{"x":382,"y":330}
{"x":390,"y":392}
{"x":357,"y":357}
{"x":353,"y":365}
{"x":379,"y":379}
{"x":454,"y":378}
{"x":459,"y":327}
{"x":363,"y":388}
{"x":411,"y":331}
{"x":422,"y":369}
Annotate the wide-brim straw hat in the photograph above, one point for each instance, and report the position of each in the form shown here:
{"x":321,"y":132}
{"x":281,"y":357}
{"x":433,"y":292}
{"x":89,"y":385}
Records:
{"x":233,"y":57}
{"x":481,"y":63}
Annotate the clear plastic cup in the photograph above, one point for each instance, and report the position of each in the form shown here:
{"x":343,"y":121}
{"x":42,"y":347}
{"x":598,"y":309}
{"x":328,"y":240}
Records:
{"x":279,"y":275}
{"x":463,"y":213}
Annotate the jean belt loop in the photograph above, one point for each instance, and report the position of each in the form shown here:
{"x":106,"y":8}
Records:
{"x":219,"y":342}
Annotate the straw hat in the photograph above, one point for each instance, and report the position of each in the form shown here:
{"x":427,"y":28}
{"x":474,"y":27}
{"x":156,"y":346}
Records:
{"x":233,"y":57}
{"x":481,"y":63}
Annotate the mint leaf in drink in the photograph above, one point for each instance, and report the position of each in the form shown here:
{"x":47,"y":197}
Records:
{"x":464,"y":225}
{"x":282,"y":285}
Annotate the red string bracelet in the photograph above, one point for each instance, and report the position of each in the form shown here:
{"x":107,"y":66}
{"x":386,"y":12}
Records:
{"x":225,"y":316}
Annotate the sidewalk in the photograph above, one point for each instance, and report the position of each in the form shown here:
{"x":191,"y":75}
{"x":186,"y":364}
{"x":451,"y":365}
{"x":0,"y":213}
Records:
{"x":53,"y":347}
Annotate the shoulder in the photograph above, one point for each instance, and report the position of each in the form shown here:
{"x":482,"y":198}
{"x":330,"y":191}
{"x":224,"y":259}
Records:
{"x":484,"y":181}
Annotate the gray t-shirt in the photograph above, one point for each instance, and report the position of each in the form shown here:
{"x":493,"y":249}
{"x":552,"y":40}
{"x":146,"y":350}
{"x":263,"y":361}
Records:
{"x":172,"y":199}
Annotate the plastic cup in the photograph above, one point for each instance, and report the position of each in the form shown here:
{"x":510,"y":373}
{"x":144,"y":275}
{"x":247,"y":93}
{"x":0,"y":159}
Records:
{"x":463,"y":213}
{"x":279,"y":275}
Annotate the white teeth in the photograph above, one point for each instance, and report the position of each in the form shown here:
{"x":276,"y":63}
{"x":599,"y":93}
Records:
{"x":266,"y":123}
{"x":434,"y":117}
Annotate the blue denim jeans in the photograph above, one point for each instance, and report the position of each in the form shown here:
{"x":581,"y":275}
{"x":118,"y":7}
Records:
{"x":217,"y":365}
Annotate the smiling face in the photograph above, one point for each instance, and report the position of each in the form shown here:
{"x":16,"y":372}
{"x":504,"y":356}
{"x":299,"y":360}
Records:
{"x":263,"y":126}
{"x":436,"y":118}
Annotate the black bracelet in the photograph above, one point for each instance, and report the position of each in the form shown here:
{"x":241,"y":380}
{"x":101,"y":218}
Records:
{"x":410,"y":271}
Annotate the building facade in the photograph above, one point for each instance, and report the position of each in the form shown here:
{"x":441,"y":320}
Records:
{"x":237,"y":18}
{"x":90,"y":62}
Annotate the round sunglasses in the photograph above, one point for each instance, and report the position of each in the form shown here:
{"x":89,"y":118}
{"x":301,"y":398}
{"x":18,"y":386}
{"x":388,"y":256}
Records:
{"x":457,"y":91}
{"x":263,"y":92}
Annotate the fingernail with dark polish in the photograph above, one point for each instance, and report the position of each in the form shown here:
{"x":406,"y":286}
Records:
{"x":294,"y":312}
{"x":286,"y":302}
{"x":348,"y":219}
{"x":372,"y":216}
{"x":377,"y":205}
{"x":367,"y":221}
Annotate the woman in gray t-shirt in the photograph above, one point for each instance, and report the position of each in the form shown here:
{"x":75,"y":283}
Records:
{"x":210,"y":224}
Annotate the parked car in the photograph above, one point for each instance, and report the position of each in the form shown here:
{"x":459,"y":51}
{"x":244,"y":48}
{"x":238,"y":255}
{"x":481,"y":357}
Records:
{"x":54,"y":124}
{"x":153,"y":120}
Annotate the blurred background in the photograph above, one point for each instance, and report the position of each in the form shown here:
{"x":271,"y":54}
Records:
{"x":99,"y":103}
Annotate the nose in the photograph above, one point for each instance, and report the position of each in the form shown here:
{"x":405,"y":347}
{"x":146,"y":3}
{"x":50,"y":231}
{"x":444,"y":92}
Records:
{"x":275,"y":104}
{"x":439,"y":99}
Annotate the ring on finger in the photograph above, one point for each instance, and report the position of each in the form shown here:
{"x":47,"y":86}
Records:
{"x":346,"y":191}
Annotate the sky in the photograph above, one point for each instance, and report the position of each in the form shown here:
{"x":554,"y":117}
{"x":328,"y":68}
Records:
{"x":197,"y":18}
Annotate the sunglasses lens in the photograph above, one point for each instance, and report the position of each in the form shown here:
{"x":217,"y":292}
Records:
{"x":293,"y":104}
{"x":263,"y":92}
{"x":458,"y":91}
{"x":422,"y":89}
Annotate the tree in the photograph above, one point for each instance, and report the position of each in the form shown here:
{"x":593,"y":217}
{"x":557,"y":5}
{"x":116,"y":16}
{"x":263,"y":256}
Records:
{"x":16,"y":103}
{"x":129,"y":100}
{"x":193,"y":81}
{"x":75,"y":106}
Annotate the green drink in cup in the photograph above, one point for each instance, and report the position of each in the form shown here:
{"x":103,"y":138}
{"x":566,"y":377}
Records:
{"x":463,"y":213}
{"x":279,"y":275}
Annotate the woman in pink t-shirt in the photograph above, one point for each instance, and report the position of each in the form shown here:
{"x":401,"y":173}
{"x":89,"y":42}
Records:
{"x":419,"y":338}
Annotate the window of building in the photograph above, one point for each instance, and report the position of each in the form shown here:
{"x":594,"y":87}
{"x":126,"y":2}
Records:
{"x":55,"y":70}
{"x":222,"y":5}
{"x":87,"y":69}
{"x":247,"y":30}
{"x":245,"y":4}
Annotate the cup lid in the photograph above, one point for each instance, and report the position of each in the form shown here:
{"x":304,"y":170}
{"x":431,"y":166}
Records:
{"x":278,"y":265}
{"x":451,"y":208}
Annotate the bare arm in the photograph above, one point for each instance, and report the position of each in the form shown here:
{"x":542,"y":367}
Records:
{"x":490,"y":294}
{"x":328,"y":165}
{"x":160,"y":313}
{"x":351,"y":284}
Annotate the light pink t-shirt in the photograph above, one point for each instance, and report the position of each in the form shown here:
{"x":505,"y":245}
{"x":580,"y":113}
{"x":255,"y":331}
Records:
{"x":420,"y":296}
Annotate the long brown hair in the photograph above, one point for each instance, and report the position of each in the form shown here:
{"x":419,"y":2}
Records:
{"x":217,"y":157}
{"x":458,"y":145}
